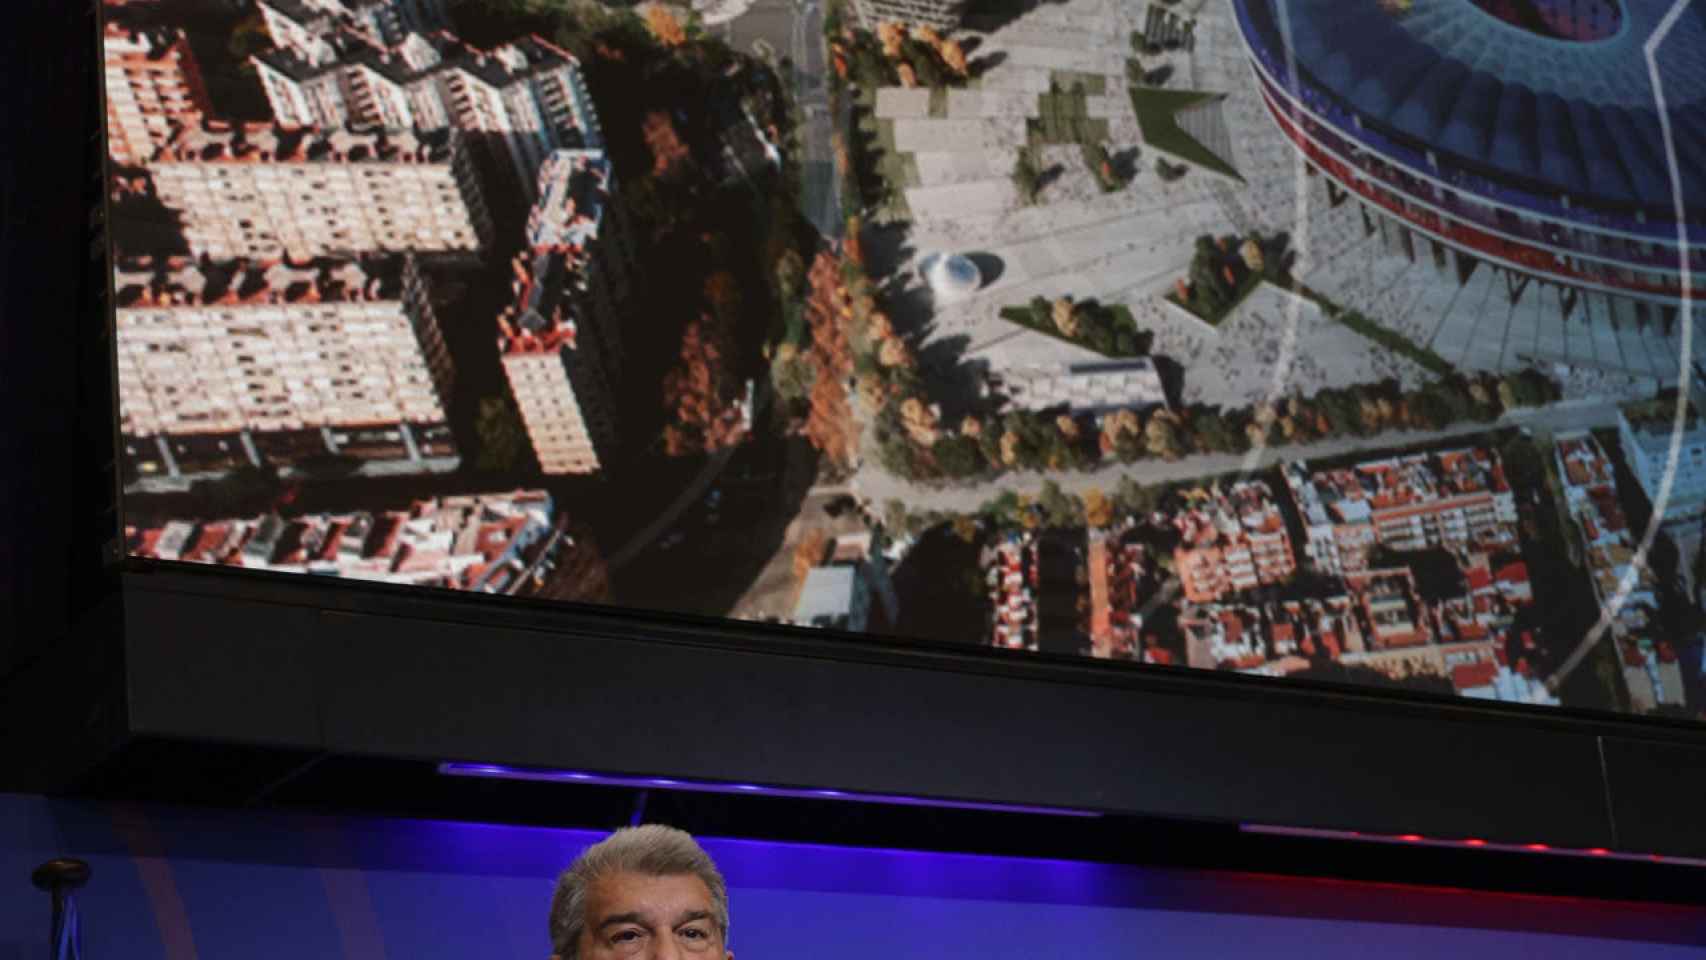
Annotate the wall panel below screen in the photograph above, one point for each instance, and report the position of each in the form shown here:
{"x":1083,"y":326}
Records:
{"x":449,"y":678}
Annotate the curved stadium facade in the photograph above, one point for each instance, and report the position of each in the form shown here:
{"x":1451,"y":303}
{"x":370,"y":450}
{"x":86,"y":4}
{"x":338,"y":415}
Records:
{"x":1524,"y":134}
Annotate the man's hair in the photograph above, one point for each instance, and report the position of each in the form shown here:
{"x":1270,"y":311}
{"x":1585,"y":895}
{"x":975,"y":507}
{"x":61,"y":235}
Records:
{"x":653,"y":850}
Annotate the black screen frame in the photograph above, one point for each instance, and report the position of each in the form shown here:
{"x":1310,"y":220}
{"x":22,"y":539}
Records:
{"x":335,"y":668}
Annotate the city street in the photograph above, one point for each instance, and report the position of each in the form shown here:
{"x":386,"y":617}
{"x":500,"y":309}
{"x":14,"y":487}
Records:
{"x":794,"y":29}
{"x":719,"y":555}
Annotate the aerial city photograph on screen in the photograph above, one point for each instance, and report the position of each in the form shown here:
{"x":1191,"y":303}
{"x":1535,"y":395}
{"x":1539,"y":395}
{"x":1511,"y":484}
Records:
{"x":1347,"y":340}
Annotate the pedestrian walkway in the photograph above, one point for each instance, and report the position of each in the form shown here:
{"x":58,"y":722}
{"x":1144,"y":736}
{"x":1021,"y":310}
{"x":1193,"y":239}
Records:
{"x":877,"y":486}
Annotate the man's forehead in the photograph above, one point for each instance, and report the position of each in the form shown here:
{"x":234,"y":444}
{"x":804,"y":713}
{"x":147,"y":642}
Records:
{"x":625,"y":892}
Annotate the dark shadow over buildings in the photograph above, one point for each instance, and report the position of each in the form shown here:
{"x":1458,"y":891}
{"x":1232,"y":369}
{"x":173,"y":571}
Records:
{"x":938,"y":606}
{"x":139,"y":223}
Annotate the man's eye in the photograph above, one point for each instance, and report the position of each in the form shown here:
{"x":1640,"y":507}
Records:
{"x":626,"y":936}
{"x":693,"y":933}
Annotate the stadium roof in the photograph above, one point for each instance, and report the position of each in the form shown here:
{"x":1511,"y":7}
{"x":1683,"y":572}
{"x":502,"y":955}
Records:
{"x":1578,"y":116}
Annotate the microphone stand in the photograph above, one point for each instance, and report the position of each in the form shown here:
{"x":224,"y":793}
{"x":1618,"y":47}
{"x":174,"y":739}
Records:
{"x":60,"y":877}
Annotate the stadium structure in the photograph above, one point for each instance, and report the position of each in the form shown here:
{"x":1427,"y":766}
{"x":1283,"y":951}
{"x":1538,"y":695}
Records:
{"x":1522,"y":135}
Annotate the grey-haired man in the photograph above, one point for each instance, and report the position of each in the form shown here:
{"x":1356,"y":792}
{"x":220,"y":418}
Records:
{"x":643,"y":893}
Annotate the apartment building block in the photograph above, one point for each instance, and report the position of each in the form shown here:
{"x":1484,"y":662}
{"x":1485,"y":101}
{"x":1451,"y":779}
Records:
{"x":1452,"y":499}
{"x":527,"y":96}
{"x":1645,"y":431}
{"x":555,"y":365}
{"x":941,"y":14}
{"x":153,"y":88}
{"x":265,"y":193}
{"x":577,"y":216}
{"x":1231,"y":540}
{"x":302,"y":25}
{"x":490,"y":543}
{"x":222,"y":366}
{"x":1626,"y":587}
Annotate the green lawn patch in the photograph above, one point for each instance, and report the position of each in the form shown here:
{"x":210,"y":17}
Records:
{"x":1386,"y":337}
{"x":1245,"y":287}
{"x":1094,"y":84}
{"x":873,"y":146}
{"x":1225,"y":270}
{"x":938,"y":102}
{"x":1395,"y":342}
{"x":1157,"y":116}
{"x":1065,"y":117}
{"x":898,"y":168}
{"x":1108,"y":329}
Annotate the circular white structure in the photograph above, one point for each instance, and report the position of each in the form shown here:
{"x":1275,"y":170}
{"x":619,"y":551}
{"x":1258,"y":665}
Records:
{"x":950,"y":276}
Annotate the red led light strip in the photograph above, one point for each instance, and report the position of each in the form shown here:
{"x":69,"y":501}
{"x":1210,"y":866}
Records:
{"x":1417,"y":840}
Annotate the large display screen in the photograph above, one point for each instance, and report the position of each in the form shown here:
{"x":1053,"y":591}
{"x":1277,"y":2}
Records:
{"x":1346,"y":340}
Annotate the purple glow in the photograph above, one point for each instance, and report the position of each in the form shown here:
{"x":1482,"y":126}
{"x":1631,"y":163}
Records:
{"x":704,"y":786}
{"x":1410,"y":839}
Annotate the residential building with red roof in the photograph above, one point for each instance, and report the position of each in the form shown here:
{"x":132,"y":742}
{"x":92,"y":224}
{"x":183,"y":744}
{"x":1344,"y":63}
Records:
{"x":301,"y":25}
{"x":1623,"y":583}
{"x":267,"y":191}
{"x":493,"y":543}
{"x":404,"y":72}
{"x":557,"y":364}
{"x":1231,"y":539}
{"x":1454,"y":499}
{"x":224,"y":365}
{"x":1493,"y":680}
{"x":153,"y":86}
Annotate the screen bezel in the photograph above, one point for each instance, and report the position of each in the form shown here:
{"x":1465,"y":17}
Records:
{"x":350,"y":669}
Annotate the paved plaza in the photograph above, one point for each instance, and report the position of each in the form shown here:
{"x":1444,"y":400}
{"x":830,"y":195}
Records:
{"x":1129,"y":247}
{"x":1276,"y":344}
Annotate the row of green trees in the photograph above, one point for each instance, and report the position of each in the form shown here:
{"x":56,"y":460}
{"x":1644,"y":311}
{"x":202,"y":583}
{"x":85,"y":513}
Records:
{"x":1028,"y":174}
{"x":1111,"y":174}
{"x":912,"y":440}
{"x":1225,"y":269}
{"x":898,"y":58}
{"x":1107,"y":329}
{"x":1050,"y":507}
{"x":987,"y":445}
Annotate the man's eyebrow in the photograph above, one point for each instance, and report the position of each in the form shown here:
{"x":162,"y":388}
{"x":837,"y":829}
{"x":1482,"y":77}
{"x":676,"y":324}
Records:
{"x":617,"y":918}
{"x":692,"y":915}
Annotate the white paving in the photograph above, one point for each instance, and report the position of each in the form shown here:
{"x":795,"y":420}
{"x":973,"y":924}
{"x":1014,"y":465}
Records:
{"x":1130,"y":247}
